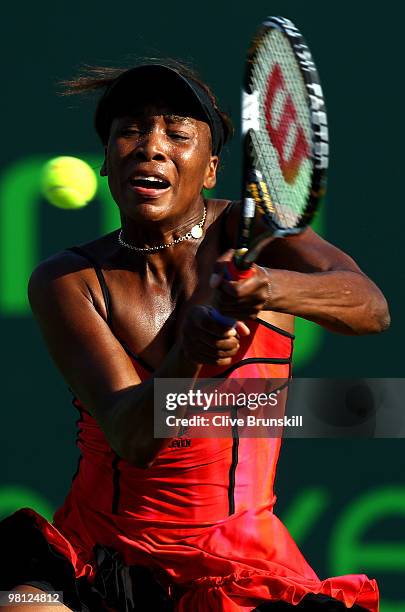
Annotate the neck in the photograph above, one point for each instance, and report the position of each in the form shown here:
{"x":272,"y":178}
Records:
{"x":149,"y":234}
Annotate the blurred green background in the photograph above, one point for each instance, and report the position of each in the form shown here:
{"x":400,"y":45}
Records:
{"x":343,"y":500}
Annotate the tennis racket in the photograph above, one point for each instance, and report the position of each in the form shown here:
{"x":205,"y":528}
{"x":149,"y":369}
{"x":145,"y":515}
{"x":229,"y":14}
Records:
{"x":285,"y":142}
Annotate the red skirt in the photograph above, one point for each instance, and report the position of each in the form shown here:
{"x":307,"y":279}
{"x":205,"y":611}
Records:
{"x":35,"y":552}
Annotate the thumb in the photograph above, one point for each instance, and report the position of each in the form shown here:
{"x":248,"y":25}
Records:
{"x":241,"y":328}
{"x":220,"y":269}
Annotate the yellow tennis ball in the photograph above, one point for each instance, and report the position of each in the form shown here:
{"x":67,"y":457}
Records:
{"x":68,"y":182}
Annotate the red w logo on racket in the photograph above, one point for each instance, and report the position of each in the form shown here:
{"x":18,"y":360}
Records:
{"x":279,"y":124}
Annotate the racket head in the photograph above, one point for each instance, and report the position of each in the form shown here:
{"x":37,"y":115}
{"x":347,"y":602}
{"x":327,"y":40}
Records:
{"x":284,"y":131}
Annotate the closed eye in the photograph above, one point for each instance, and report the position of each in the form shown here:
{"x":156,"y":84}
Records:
{"x":131,"y":132}
{"x":179,"y":136}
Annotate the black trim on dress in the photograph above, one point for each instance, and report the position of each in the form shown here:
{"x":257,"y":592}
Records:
{"x":234,"y":465}
{"x":137,"y":358}
{"x":235,"y":366}
{"x":79,"y":431}
{"x":103,"y":285}
{"x":280,"y":331}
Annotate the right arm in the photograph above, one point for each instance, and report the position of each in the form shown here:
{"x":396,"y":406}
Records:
{"x":95,"y":365}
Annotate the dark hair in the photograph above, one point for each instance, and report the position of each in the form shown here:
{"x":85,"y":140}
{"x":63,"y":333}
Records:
{"x":96,"y":78}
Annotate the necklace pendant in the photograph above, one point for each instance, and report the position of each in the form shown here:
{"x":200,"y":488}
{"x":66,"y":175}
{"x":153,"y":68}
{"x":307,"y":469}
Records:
{"x":196,"y":231}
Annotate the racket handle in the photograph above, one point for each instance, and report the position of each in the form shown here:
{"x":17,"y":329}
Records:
{"x":231,"y":272}
{"x":234,"y":273}
{"x":221,"y":319}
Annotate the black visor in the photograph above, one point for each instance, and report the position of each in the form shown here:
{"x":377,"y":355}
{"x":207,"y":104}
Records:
{"x":148,"y":78}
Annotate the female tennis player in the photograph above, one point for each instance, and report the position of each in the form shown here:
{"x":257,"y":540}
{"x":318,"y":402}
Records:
{"x":151,"y":523}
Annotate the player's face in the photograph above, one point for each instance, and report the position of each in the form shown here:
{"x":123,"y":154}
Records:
{"x":158,"y":159}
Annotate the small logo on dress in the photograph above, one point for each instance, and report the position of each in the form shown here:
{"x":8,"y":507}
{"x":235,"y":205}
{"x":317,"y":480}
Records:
{"x":180,"y":443}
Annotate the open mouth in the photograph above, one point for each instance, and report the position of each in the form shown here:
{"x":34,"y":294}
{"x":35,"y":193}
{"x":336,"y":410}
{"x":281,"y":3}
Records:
{"x":149,"y":184}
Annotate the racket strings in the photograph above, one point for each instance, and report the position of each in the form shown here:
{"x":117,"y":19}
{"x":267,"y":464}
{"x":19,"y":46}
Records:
{"x":288,"y":203}
{"x":289,"y":194}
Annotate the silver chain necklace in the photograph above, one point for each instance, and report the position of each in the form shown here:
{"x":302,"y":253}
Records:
{"x":195,"y":232}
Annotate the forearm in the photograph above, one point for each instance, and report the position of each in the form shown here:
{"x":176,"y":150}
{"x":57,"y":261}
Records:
{"x":342,"y":301}
{"x":131,"y":427}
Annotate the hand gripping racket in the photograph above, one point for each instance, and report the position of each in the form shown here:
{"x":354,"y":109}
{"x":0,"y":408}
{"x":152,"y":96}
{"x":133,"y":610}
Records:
{"x":285,"y":142}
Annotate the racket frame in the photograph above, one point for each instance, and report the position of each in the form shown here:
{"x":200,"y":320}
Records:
{"x":255,"y":190}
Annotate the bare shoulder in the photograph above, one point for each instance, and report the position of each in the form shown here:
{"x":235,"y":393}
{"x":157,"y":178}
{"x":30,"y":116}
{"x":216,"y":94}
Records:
{"x":67,"y":272}
{"x":218,"y":207}
{"x":226,"y":213}
{"x":68,"y":261}
{"x":64,"y":267}
{"x":62,"y":293}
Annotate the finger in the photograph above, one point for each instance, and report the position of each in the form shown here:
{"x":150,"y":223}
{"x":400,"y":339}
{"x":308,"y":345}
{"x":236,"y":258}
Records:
{"x":242,"y":329}
{"x":227,"y":256}
{"x":200,"y":353}
{"x":213,"y":345}
{"x":220,"y":268}
{"x":241,"y":314}
{"x":226,"y":304}
{"x":238,"y":309}
{"x":229,"y":344}
{"x":242,"y":288}
{"x":203,"y":354}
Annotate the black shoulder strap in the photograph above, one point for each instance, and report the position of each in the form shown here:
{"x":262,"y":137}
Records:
{"x":101,"y":280}
{"x":107,"y":301}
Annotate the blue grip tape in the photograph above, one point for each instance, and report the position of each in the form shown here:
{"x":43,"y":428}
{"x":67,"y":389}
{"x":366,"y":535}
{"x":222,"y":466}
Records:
{"x":221,"y":319}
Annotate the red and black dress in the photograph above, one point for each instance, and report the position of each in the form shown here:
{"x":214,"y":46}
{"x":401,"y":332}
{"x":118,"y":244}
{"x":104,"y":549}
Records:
{"x":195,"y":532}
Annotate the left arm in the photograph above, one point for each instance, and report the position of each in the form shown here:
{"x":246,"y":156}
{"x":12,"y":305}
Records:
{"x":342,"y":301}
{"x":307,"y":276}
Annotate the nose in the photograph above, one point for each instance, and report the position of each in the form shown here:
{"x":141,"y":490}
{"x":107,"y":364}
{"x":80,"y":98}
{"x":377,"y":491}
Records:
{"x":151,"y":147}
